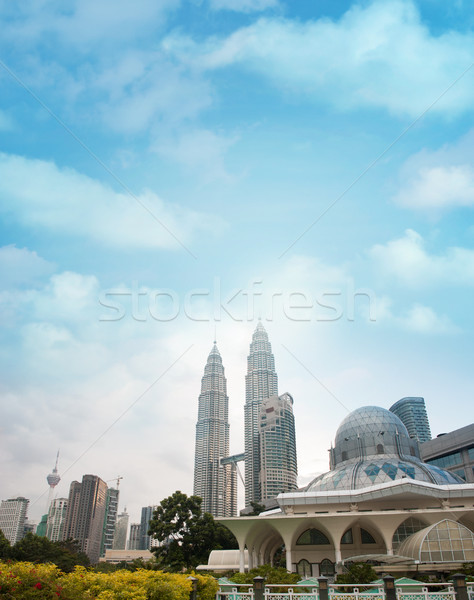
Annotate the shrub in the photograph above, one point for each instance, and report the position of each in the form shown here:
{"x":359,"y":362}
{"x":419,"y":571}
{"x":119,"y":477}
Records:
{"x":27,"y":581}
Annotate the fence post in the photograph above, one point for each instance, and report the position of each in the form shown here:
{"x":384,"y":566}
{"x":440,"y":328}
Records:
{"x":323,"y":588}
{"x":258,"y":588}
{"x":194,"y":587}
{"x":389,"y":587}
{"x":460,"y":589}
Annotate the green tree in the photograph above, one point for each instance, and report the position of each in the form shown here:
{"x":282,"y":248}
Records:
{"x":272,"y":575}
{"x":358,"y":573}
{"x":256,"y":509}
{"x":186,"y":535}
{"x":5,"y":547}
{"x":33,"y":548}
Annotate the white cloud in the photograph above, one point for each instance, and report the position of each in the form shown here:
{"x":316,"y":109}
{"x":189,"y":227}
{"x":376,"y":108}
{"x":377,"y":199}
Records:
{"x":245,"y":6}
{"x":84,"y":23}
{"x":198,"y":149}
{"x":19,"y":266}
{"x":436,"y":181}
{"x":423,"y":319}
{"x":380,"y":55}
{"x":439,"y":188}
{"x":41,"y":195}
{"x":144,"y":89}
{"x":407,"y":260}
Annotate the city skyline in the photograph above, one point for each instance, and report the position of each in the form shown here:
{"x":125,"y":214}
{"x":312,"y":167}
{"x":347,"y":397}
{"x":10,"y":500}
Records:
{"x":173,"y":170}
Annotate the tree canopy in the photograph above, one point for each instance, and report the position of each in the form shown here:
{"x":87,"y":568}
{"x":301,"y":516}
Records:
{"x":358,"y":573}
{"x":38,"y":549}
{"x":186,"y":534}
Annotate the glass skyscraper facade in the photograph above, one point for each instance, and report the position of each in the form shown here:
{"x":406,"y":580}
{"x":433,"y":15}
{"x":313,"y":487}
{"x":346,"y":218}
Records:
{"x":412,"y":413}
{"x":213,"y":482}
{"x":261,"y":382}
{"x":278,"y":466}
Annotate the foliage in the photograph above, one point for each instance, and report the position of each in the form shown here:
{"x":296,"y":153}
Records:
{"x":468,"y":569}
{"x":27,"y":581}
{"x":272,"y":575}
{"x":33,"y":548}
{"x":256,"y":509}
{"x":5,"y":547}
{"x":186,"y":535}
{"x":358,"y":573}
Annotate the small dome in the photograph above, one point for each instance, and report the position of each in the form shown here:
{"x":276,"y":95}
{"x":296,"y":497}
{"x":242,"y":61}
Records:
{"x":368,"y":420}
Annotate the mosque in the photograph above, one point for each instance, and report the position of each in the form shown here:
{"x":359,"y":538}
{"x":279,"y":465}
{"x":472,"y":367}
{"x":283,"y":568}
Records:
{"x":378,"y":503}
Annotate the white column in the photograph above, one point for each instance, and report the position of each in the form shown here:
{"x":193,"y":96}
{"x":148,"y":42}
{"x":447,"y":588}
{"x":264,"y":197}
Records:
{"x":250,"y":558}
{"x":242,"y":559}
{"x":289,"y":562}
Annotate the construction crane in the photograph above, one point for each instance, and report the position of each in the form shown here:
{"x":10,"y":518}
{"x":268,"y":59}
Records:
{"x":117,"y":479}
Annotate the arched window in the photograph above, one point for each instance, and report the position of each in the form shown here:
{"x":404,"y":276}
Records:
{"x":326,"y":568}
{"x":411,"y":525}
{"x":380,"y":449}
{"x":347,"y":538}
{"x":366,"y":537}
{"x":304,"y":568}
{"x":344,"y":455}
{"x":312,"y":537}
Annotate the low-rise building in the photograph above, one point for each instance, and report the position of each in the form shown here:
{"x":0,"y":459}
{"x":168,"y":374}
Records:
{"x":452,"y":451}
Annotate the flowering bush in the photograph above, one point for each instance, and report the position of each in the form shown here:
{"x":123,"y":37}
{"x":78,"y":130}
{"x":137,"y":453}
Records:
{"x":27,"y":581}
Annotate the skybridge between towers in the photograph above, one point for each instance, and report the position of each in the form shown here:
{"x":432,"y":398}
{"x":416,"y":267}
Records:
{"x":233,"y":461}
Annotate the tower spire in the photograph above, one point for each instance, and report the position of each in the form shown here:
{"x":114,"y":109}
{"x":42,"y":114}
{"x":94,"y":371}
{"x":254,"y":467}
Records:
{"x":212,"y":441}
{"x":261,"y":382}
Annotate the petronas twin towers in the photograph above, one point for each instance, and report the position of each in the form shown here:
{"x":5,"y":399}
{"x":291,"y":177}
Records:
{"x":270,"y":443}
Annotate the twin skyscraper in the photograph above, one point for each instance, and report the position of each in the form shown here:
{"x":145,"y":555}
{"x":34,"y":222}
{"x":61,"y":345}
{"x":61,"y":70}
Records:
{"x":270,"y":441}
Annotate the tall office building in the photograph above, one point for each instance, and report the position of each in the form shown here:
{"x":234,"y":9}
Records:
{"x":121,"y":530}
{"x":13,"y":518}
{"x":146,"y":517}
{"x":261,"y":382}
{"x":110,"y":519}
{"x":211,"y":479}
{"x":278,"y":467}
{"x":56,"y":519}
{"x":85,"y":514}
{"x":412,"y":413}
{"x":134,"y":537}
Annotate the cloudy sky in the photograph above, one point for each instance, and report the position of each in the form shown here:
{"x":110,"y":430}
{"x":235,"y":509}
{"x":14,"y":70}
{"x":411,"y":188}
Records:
{"x":174,"y":170}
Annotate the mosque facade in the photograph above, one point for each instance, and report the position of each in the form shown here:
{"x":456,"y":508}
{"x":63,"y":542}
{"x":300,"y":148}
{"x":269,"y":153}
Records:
{"x":379,"y":502}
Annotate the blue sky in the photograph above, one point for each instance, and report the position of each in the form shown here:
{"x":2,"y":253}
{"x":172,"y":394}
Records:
{"x":171,"y":170}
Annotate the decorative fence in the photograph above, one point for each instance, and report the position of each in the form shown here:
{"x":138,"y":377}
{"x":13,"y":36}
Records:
{"x":426,"y":591}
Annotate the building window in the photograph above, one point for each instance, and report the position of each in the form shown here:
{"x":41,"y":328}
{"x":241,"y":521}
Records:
{"x":407,"y":528}
{"x":347,"y":537}
{"x":312,"y":537}
{"x":326,"y":568}
{"x":304,"y":568}
{"x":366,"y":537}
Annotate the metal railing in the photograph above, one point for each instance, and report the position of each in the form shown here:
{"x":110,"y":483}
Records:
{"x":415,"y":591}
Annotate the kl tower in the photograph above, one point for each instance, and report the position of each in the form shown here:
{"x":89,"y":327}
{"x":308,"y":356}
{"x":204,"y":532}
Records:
{"x":53,"y":480}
